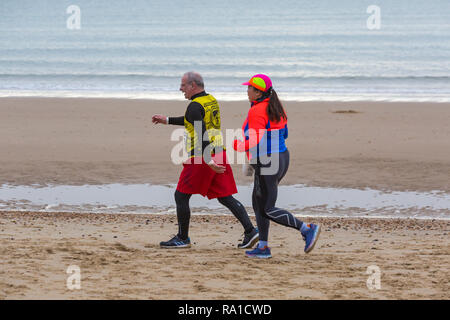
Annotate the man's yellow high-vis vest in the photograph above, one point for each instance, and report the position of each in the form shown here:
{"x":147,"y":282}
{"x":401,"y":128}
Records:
{"x":212,"y":123}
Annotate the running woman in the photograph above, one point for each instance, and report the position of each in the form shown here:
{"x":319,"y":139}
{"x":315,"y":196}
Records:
{"x":265,"y":130}
{"x":205,"y":173}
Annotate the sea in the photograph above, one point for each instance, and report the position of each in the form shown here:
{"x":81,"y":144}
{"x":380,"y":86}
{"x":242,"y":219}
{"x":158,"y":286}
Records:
{"x":322,"y":50}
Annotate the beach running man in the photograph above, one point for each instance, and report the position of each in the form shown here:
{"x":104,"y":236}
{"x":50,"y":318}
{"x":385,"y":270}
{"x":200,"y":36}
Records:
{"x":205,"y":173}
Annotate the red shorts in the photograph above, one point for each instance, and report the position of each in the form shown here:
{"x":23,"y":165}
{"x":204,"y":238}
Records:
{"x":198,"y":178}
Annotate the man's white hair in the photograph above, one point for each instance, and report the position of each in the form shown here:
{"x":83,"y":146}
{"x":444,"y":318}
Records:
{"x":195,"y":77}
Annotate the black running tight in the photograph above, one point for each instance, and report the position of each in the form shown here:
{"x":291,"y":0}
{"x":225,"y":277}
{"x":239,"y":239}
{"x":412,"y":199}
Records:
{"x":184,"y":212}
{"x":265,"y":192}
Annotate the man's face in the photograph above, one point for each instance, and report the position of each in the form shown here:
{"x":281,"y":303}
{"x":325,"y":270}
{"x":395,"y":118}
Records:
{"x":187,"y":88}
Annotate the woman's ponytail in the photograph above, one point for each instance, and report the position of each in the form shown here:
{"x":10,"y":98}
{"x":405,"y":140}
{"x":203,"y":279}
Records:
{"x":275,"y":109}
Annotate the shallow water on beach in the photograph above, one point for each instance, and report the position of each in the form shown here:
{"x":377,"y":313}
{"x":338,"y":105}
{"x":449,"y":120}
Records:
{"x":300,"y":199}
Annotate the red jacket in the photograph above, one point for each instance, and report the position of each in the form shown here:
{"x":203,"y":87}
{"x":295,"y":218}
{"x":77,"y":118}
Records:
{"x":262,"y":136}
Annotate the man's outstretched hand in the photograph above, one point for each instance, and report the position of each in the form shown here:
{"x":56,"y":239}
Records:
{"x":157,"y":118}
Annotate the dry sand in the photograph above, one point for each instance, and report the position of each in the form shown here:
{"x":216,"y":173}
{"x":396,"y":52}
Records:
{"x":119,"y":258}
{"x":390,"y":146}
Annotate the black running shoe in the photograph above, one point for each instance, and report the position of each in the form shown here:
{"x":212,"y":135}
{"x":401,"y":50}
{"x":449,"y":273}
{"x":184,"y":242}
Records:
{"x":250,"y":239}
{"x":176,"y":243}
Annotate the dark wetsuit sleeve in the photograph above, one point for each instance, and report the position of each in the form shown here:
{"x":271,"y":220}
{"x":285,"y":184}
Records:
{"x":196,"y":112}
{"x":179,"y":121}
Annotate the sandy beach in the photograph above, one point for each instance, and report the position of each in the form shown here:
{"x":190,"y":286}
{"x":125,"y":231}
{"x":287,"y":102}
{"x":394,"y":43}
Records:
{"x":384,"y":146}
{"x":88,"y":181}
{"x":119,"y":258}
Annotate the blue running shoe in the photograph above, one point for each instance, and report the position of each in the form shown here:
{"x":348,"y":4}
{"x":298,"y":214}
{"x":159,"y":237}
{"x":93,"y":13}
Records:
{"x":176,"y":243}
{"x":311,"y":237}
{"x":263,"y":253}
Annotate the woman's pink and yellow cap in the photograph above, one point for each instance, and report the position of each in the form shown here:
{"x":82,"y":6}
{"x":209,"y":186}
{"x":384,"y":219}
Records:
{"x":260,"y":82}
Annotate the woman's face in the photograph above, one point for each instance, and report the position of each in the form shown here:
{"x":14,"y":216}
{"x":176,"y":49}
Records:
{"x":253,"y":94}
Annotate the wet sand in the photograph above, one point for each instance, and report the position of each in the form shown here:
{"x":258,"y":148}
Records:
{"x":119,"y":258}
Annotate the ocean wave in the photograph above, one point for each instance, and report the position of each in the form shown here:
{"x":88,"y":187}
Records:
{"x":221,"y":76}
{"x":229,"y":96}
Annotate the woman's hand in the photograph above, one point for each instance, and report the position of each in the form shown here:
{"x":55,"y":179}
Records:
{"x":247,"y":169}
